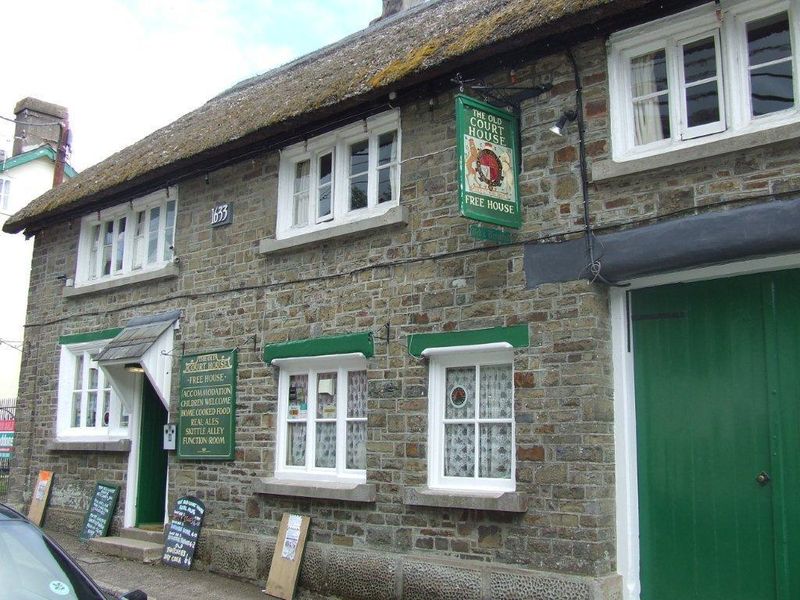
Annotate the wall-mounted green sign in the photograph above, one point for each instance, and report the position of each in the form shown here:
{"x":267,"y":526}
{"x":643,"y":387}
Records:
{"x":207,"y":406}
{"x":486,"y":148}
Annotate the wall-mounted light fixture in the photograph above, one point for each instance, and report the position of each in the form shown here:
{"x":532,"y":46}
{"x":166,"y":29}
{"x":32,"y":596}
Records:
{"x":567,"y":117}
{"x":134,"y":368}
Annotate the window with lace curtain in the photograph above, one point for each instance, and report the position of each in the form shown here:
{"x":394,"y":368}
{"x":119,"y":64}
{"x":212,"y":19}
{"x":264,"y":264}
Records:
{"x":715,"y":71}
{"x":322,"y":412}
{"x":471,"y":413}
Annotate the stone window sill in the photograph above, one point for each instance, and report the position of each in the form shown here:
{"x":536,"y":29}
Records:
{"x":169,"y":271}
{"x":513,"y":502}
{"x":395,"y":216}
{"x":327,"y":490}
{"x":80,"y":446}
{"x":608,"y":169}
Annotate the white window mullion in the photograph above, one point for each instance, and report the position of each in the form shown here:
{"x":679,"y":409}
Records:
{"x":341,"y":419}
{"x":311,"y":422}
{"x":162,"y":224}
{"x":282,"y":433}
{"x":674,"y":74}
{"x":476,"y":419}
{"x":372,"y":171}
{"x":734,"y":67}
{"x":84,"y":423}
{"x":130,"y":234}
{"x":340,"y":180}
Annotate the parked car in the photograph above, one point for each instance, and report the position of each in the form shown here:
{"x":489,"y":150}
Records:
{"x":34,"y":567}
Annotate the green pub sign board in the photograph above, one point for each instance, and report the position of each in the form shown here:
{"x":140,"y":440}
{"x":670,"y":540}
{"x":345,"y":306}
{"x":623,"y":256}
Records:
{"x":207,"y":406}
{"x":487,"y":151}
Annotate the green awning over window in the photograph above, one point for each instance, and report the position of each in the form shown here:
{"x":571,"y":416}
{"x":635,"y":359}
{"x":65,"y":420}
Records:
{"x":322,"y":346}
{"x":90,"y":336}
{"x":516,"y":335}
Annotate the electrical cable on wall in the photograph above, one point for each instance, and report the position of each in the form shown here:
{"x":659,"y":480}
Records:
{"x":547,"y":238}
{"x":11,"y":344}
{"x":52,"y":124}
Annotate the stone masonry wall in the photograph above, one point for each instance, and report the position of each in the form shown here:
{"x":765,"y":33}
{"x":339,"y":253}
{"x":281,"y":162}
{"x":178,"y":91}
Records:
{"x":430,"y":276}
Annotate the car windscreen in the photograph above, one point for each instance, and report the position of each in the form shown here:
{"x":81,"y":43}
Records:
{"x":31,"y":568}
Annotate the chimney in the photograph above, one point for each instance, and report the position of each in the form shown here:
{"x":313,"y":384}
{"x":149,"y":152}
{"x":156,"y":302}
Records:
{"x":38,"y":123}
{"x":392,"y":7}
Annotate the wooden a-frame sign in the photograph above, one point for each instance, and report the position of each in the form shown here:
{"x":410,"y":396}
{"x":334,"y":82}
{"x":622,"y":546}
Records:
{"x":40,"y":495}
{"x":287,"y":556}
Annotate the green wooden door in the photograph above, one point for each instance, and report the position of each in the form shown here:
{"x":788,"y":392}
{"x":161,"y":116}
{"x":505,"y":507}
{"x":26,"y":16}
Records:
{"x":152,"y":484}
{"x":717,"y":386}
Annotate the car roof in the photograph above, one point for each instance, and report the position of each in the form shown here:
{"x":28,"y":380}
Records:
{"x":9,"y":514}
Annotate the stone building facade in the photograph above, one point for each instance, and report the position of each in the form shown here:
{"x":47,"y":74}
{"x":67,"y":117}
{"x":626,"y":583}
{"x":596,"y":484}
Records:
{"x":569,"y":526}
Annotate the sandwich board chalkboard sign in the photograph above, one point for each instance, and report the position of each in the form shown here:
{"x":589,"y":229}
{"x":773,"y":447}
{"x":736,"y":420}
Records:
{"x":101,"y":510}
{"x":184,"y":531}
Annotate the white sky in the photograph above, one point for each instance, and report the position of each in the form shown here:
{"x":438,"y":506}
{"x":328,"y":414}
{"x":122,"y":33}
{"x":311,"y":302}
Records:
{"x":124,"y":68}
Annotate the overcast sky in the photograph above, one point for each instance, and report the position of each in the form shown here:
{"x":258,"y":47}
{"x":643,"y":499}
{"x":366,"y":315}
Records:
{"x":124,"y":68}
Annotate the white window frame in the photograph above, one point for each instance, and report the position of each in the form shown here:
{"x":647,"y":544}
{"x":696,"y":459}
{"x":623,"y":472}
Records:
{"x":85,"y":275}
{"x":5,"y":192}
{"x":311,"y":366}
{"x":670,"y":33}
{"x":65,"y":431}
{"x":338,"y":142}
{"x":464,"y":356}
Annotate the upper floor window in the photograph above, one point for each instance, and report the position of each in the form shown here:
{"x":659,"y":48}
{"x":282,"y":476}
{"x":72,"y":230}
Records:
{"x":5,"y":191}
{"x":127,"y":239}
{"x":704,"y":74}
{"x":322,"y":419}
{"x":88,"y":408}
{"x":345,"y":175}
{"x":471,"y":420}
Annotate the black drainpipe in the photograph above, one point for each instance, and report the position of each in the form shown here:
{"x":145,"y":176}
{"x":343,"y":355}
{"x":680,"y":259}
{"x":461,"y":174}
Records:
{"x":594,"y":264}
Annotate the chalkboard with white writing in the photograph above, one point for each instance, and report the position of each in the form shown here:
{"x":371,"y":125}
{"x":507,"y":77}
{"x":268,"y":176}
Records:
{"x":101,"y":510}
{"x":184,"y":531}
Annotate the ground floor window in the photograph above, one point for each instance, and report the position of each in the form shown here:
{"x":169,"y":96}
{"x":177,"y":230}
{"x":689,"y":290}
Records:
{"x":322,"y":411}
{"x":471,"y":420}
{"x":88,"y":407}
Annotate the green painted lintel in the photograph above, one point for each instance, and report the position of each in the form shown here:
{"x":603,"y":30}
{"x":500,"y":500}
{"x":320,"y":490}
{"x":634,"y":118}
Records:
{"x":516,"y":335}
{"x":89,"y":336}
{"x":334,"y":344}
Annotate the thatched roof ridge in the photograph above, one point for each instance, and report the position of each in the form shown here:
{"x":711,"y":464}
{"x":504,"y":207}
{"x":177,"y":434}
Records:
{"x":391,"y":53}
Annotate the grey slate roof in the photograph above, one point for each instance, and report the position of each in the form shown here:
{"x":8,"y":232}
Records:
{"x":399,"y":51}
{"x":136,"y":338}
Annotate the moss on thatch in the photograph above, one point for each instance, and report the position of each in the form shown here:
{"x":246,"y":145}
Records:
{"x":425,"y":39}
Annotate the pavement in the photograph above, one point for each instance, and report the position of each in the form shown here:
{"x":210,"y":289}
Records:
{"x":118,"y":576}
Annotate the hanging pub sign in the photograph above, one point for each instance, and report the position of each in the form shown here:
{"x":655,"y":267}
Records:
{"x":487,"y":151}
{"x":207,"y":406}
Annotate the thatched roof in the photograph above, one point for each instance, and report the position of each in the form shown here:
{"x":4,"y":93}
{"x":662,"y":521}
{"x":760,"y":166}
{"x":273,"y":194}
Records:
{"x":393,"y":53}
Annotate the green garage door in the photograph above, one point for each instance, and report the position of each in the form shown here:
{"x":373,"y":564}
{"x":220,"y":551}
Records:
{"x":717,"y":371}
